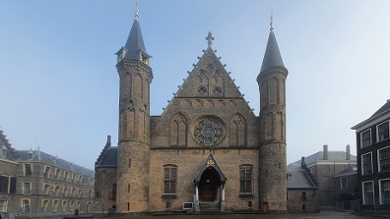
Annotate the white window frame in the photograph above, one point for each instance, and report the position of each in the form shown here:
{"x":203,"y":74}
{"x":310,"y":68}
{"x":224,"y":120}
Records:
{"x":361,"y":138}
{"x":378,"y":158}
{"x":341,"y":183}
{"x":26,"y":205}
{"x":3,"y":205}
{"x":363,"y":192}
{"x":380,"y":189}
{"x":362,"y":163}
{"x":377,"y":132}
{"x":29,"y":188}
{"x":55,"y":205}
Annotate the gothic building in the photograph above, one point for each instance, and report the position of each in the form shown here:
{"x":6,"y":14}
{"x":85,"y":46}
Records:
{"x":208,"y":150}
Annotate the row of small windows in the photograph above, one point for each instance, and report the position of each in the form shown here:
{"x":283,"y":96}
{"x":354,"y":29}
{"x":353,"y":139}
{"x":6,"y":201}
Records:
{"x":383,"y":156}
{"x":51,"y":190}
{"x":369,"y":195}
{"x":72,"y":177}
{"x":382,"y":133}
{"x":45,"y":205}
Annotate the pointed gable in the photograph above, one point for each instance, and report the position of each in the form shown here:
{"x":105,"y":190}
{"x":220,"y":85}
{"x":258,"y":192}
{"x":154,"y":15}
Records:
{"x":210,"y":162}
{"x":209,"y":79}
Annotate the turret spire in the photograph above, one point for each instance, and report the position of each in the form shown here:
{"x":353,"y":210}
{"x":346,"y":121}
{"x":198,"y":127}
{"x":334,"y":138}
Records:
{"x":272,"y":56}
{"x":134,"y":48}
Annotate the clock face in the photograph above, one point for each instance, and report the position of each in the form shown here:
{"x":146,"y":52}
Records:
{"x":209,"y":131}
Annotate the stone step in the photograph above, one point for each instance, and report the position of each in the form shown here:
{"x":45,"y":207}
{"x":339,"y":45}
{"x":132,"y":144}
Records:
{"x":210,"y":206}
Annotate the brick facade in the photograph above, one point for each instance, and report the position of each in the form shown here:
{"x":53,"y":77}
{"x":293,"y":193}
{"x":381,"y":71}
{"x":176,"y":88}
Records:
{"x":208,"y":147}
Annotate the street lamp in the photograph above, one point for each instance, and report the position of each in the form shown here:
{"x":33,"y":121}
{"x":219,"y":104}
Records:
{"x":103,"y":173}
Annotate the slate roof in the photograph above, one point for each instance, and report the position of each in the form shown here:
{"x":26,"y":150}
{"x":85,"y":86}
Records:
{"x":383,"y":109}
{"x":109,"y":158}
{"x":272,"y":56}
{"x":348,"y":171}
{"x":332,"y":156}
{"x":298,"y":178}
{"x":135,"y":43}
{"x":40,"y":156}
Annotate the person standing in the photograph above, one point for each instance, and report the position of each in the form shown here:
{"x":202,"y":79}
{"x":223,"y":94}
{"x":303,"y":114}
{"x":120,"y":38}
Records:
{"x":76,"y":212}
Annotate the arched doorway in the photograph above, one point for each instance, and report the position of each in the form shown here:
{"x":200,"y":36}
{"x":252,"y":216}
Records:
{"x":209,"y":185}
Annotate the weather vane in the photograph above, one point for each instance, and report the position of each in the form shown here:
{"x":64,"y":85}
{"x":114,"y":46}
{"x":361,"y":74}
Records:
{"x":272,"y":18}
{"x":136,"y":9}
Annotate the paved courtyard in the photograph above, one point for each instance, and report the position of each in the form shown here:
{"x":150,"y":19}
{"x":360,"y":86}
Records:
{"x":322,"y":215}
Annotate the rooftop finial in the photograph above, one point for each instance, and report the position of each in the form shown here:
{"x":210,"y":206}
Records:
{"x":272,"y":18}
{"x":210,"y":39}
{"x":136,"y":10}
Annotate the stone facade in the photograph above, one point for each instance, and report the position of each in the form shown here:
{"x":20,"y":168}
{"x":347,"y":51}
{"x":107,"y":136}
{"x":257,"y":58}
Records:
{"x":302,"y":201}
{"x":36,"y":184}
{"x":207,"y":148}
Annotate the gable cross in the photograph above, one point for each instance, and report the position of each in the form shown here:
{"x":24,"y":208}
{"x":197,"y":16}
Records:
{"x":210,"y":39}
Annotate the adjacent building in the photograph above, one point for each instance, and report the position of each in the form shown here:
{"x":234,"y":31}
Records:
{"x":373,"y":152}
{"x":208,"y":150}
{"x":324,"y":166}
{"x":302,"y":190}
{"x":34,"y":183}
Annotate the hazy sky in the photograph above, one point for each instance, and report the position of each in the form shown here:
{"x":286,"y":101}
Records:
{"x":59,"y":84}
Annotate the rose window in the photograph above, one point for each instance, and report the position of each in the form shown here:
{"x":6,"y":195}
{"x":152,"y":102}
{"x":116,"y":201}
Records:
{"x":208,"y":131}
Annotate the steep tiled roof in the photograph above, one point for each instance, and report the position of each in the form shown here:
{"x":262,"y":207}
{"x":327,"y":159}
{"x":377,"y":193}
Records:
{"x":298,"y":178}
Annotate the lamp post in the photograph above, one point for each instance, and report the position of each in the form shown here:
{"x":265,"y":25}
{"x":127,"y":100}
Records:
{"x":103,"y":174}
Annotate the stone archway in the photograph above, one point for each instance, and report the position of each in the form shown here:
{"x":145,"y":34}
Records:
{"x":209,"y":185}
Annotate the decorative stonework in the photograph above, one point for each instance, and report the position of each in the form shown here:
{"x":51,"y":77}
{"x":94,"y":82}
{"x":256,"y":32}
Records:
{"x":209,"y":131}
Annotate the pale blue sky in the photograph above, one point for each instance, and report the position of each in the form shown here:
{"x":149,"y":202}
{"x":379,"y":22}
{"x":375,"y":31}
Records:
{"x":59,"y":85}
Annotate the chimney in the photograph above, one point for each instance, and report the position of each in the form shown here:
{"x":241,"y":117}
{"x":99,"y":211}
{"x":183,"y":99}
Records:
{"x":108,"y":142}
{"x":303,"y":164}
{"x":348,"y":152}
{"x":325,"y":151}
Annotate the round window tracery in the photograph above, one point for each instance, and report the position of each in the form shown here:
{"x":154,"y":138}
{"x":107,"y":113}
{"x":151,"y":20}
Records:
{"x":202,"y":90}
{"x":208,"y":131}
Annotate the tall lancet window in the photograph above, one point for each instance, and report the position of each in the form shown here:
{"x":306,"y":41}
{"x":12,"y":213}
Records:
{"x":274,"y":91}
{"x":237,"y":131}
{"x":178,"y":130}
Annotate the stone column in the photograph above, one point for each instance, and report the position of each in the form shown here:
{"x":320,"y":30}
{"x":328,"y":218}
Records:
{"x":223,"y":202}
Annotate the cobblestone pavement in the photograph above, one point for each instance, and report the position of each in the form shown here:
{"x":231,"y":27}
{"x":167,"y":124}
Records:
{"x":322,"y":215}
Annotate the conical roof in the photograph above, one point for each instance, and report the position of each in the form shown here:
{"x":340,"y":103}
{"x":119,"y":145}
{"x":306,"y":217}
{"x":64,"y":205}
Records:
{"x":272,"y":57}
{"x":135,"y":46}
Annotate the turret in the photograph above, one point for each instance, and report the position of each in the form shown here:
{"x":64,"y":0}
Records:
{"x":135,"y":76}
{"x":272,"y":131}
